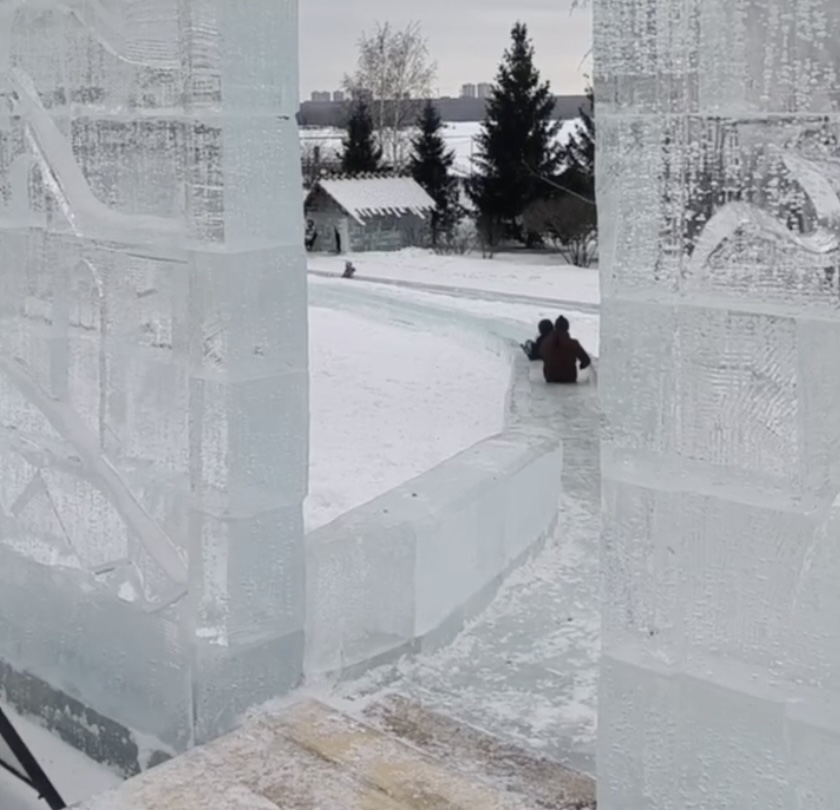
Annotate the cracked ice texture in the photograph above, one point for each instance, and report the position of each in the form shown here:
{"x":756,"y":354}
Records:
{"x":718,"y":182}
{"x":153,"y":369}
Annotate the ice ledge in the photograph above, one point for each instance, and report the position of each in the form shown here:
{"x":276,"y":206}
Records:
{"x":404,"y":572}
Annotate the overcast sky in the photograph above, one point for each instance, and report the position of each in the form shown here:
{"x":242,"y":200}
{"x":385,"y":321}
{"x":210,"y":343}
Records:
{"x":466,"y":38}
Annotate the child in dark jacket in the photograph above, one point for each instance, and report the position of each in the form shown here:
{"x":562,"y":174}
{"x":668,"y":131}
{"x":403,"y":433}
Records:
{"x":561,"y":354}
{"x":532,"y":347}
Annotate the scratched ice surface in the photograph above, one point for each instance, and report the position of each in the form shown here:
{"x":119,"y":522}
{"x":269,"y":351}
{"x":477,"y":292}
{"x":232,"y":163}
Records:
{"x":719,"y":175}
{"x":153,"y":375}
{"x":719,"y":178}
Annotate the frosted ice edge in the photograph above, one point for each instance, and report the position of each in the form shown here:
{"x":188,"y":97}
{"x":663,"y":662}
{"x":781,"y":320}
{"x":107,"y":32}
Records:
{"x":153,"y":375}
{"x":718,"y":181}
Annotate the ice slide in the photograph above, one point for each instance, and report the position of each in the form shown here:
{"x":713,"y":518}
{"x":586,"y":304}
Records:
{"x":343,"y":295}
{"x":382,"y":306}
{"x":493,"y":666}
{"x":469,"y":292}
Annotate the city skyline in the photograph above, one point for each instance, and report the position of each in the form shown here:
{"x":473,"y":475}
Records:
{"x":477,"y":90}
{"x":466,"y":41}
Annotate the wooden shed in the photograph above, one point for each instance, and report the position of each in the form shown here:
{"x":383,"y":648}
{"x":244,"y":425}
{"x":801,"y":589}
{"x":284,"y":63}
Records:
{"x":354,"y":214}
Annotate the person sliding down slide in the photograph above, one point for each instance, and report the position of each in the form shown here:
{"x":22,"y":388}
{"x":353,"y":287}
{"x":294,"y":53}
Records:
{"x":561,"y":354}
{"x":532,"y":347}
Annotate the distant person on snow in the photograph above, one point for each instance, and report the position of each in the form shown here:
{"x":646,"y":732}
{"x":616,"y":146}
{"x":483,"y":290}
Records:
{"x":532,"y":347}
{"x":561,"y":354}
{"x":349,"y":270}
{"x":311,"y":234}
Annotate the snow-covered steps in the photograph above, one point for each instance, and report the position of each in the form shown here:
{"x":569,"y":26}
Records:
{"x":308,"y":756}
{"x":409,"y":776}
{"x":541,"y":782}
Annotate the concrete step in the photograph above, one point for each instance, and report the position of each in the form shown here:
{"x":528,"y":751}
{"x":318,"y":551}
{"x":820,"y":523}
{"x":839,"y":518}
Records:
{"x":543,"y":783}
{"x":308,"y":756}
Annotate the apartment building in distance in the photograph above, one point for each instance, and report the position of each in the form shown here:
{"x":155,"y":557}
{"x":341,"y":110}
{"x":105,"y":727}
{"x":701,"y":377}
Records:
{"x":333,"y":112}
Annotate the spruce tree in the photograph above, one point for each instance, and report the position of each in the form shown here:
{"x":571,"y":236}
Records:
{"x":579,"y":152}
{"x":360,"y":152}
{"x":430,"y":165}
{"x":516,"y":147}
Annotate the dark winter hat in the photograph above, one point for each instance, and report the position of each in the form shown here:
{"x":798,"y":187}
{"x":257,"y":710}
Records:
{"x":562,"y":325}
{"x":545,"y":327}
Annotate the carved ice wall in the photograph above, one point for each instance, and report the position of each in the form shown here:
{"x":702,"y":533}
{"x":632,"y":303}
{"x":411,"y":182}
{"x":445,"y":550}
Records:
{"x":718,"y":183}
{"x":153,"y":370}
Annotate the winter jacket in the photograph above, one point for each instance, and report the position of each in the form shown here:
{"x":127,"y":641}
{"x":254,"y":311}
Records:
{"x":560,"y":354}
{"x":532,"y":347}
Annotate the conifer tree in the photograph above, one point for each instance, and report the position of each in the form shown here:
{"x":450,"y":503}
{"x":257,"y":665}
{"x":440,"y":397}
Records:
{"x":516,"y":146}
{"x":431,"y":165}
{"x":579,"y":151}
{"x":581,"y":146}
{"x":360,"y":152}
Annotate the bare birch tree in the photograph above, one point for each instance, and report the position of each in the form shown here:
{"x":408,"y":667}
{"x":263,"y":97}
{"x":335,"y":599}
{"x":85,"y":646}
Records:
{"x":395,"y":71}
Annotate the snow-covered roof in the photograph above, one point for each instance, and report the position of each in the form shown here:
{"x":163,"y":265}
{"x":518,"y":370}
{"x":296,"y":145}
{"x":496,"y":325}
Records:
{"x":363,"y":197}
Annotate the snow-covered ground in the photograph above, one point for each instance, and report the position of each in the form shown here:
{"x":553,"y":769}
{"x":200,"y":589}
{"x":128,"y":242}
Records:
{"x":526,"y":669}
{"x":419,"y":397}
{"x":505,"y":276}
{"x":416,"y":398}
{"x":389,"y":402}
{"x":460,"y":137}
{"x":522,"y":318}
{"x":74,"y":776}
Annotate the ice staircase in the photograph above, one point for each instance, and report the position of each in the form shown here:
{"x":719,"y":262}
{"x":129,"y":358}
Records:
{"x":310,"y":756}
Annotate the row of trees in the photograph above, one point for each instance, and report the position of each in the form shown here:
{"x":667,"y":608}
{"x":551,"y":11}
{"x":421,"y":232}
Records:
{"x":429,"y":162}
{"x":526,"y":187}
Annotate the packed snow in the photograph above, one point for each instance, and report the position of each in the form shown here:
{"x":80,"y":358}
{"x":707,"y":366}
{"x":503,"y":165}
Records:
{"x":527,"y":275}
{"x":396,"y":407}
{"x":74,"y":776}
{"x":388,"y":403}
{"x":516,"y":289}
{"x":522,"y":318}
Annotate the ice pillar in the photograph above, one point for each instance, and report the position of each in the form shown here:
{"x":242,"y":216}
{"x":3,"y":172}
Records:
{"x":718,"y":181}
{"x":153,"y":366}
{"x":247,"y":352}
